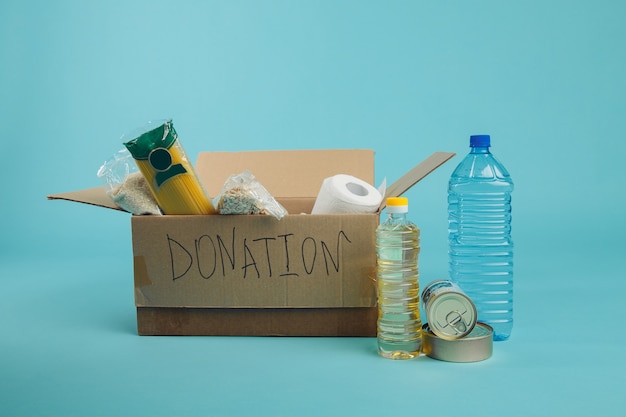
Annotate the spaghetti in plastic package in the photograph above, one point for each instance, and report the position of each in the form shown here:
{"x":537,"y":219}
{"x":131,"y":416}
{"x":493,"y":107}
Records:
{"x":244,"y":194}
{"x":126,"y":186}
{"x":162,"y":160}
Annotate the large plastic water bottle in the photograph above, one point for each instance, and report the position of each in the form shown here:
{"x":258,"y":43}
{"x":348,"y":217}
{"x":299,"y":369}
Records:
{"x":479,"y":235}
{"x":397,"y":249}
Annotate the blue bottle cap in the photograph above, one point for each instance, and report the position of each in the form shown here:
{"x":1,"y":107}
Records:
{"x":480,"y":141}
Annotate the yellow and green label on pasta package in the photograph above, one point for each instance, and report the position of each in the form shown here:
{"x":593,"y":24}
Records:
{"x":163,"y":162}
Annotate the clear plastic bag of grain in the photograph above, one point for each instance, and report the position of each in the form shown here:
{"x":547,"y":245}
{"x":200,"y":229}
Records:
{"x":244,"y":194}
{"x":126,"y":186}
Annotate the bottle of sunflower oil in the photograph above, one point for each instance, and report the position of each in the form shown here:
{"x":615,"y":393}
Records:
{"x":399,"y":325}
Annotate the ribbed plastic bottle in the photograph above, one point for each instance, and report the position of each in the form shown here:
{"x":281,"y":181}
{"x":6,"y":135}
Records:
{"x":479,"y":235}
{"x":397,"y":249}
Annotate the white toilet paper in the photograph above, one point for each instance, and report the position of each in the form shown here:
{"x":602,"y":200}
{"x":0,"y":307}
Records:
{"x":346,"y":194}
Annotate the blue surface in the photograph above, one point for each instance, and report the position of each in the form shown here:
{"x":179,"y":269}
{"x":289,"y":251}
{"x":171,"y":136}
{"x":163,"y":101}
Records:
{"x":544,"y":79}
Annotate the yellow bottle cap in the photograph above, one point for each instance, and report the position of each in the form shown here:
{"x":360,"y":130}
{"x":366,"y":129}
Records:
{"x":397,"y":201}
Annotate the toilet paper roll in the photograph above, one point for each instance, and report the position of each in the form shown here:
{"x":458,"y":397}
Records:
{"x":346,"y":194}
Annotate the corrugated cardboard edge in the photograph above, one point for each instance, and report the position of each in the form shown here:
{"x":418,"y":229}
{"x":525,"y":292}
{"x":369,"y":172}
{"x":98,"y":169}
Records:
{"x":416,"y":174}
{"x":94,"y":196}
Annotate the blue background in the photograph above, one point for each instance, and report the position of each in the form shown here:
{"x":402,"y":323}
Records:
{"x":405,"y":78}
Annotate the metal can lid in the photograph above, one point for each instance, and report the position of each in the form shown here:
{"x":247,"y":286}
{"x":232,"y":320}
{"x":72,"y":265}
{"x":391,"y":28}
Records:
{"x":476,"y":346}
{"x":451,"y":315}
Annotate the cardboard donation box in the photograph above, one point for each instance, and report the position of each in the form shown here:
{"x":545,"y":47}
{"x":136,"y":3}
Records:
{"x":302,"y":275}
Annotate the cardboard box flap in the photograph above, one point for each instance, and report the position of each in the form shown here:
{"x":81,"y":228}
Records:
{"x":285,"y":174}
{"x":95,"y":196}
{"x":416,"y":174}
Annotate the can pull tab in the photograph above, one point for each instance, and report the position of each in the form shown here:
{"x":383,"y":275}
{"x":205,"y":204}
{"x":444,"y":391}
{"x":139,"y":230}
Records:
{"x":455,"y":320}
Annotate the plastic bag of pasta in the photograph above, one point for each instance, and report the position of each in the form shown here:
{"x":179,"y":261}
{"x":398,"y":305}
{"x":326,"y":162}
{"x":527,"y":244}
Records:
{"x":244,"y":194}
{"x":126,"y":186}
{"x":162,"y":160}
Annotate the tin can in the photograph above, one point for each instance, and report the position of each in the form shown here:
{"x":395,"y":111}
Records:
{"x":476,"y":346}
{"x":451,"y":313}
